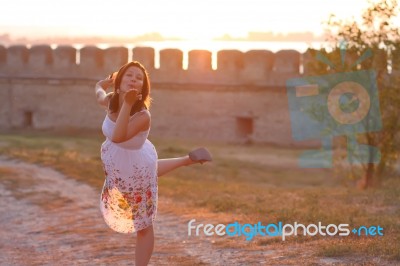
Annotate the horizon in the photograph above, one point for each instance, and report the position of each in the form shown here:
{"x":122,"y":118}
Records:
{"x":8,"y":39}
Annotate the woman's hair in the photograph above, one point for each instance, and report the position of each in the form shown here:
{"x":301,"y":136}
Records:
{"x":139,"y":104}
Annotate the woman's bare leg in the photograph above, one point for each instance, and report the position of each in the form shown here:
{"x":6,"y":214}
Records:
{"x":144,"y":246}
{"x":167,"y":165}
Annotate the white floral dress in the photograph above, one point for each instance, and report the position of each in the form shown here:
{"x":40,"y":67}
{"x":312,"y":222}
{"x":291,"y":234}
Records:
{"x":128,"y":200}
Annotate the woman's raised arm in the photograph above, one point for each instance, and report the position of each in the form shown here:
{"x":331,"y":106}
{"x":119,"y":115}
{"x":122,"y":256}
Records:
{"x":100,"y":90}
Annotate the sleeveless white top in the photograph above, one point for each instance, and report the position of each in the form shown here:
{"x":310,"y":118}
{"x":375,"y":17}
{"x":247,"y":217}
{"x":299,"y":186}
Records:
{"x":133,"y":143}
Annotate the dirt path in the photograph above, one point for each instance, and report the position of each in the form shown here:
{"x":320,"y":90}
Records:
{"x":49,"y":219}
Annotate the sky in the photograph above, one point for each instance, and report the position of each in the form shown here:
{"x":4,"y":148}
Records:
{"x":188,"y":19}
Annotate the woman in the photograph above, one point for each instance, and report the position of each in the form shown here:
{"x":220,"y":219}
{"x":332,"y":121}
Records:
{"x":131,"y":165}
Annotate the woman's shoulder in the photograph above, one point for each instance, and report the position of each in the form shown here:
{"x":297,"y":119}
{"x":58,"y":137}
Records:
{"x":142,"y":117}
{"x":145,"y":111}
{"x":141,"y":114}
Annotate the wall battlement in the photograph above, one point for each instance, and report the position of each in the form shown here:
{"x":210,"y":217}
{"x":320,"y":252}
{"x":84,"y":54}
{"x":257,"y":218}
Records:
{"x":255,"y":67}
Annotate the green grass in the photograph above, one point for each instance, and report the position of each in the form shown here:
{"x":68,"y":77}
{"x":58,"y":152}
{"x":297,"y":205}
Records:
{"x":243,"y":183}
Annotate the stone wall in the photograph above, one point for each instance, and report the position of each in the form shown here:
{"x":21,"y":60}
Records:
{"x":243,"y":99}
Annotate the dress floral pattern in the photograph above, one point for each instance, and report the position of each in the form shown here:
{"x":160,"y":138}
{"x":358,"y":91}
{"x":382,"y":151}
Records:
{"x":128,"y":200}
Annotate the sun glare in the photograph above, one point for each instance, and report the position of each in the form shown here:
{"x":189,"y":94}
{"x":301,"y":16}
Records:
{"x":191,"y":20}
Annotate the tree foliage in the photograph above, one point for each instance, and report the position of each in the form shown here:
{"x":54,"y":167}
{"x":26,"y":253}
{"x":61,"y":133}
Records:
{"x":374,"y":30}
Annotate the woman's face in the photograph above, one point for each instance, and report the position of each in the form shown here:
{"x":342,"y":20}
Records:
{"x":132,"y":79}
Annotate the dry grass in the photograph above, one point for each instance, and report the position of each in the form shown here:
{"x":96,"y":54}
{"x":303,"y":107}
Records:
{"x":269,"y":189}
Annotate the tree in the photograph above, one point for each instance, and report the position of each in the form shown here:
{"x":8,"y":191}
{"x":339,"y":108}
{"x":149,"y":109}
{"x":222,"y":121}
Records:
{"x":377,"y":32}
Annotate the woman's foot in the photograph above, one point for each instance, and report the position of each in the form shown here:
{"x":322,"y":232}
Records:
{"x":200,"y":155}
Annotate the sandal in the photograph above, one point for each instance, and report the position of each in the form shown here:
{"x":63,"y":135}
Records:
{"x":200,"y":155}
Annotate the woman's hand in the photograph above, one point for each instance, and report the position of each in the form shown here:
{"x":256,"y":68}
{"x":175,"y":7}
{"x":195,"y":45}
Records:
{"x":132,"y":96}
{"x":105,"y":83}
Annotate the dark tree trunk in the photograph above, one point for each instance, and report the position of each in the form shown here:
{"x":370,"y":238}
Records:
{"x":368,"y":179}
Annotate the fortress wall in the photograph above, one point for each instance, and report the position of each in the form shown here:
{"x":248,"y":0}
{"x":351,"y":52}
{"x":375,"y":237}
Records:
{"x":49,"y":104}
{"x":239,"y":114}
{"x":244,"y":99}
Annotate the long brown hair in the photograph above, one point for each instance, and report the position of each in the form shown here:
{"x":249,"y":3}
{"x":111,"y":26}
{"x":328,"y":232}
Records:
{"x":139,"y":104}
